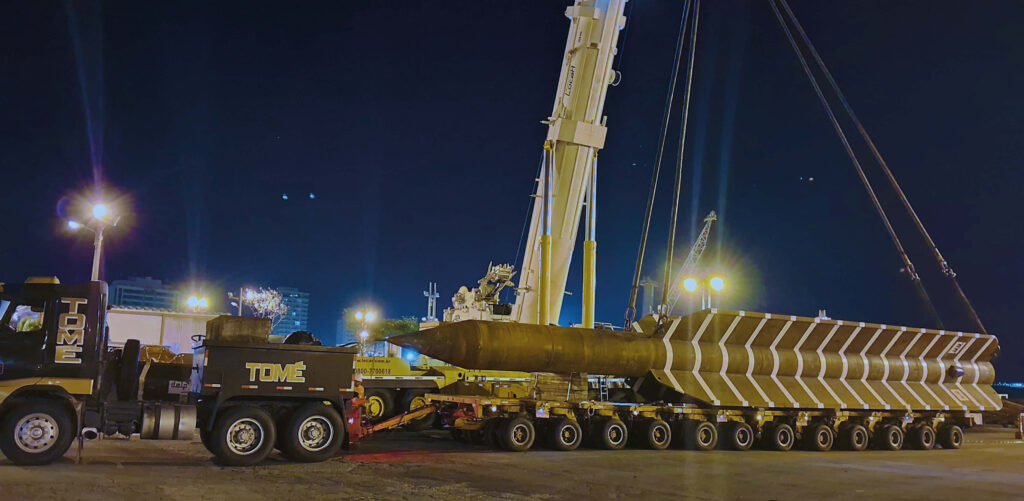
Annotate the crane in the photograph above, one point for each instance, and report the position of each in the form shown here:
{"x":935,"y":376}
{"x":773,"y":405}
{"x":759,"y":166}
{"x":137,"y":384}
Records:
{"x":696,"y":251}
{"x":568,"y":181}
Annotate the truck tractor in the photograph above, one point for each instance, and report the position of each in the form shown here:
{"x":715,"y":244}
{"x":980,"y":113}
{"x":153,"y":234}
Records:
{"x":245,"y":395}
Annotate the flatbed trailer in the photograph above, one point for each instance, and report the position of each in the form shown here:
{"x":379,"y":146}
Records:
{"x":519,"y":424}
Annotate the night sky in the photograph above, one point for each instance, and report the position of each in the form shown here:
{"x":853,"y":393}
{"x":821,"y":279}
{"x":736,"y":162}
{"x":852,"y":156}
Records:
{"x":416,"y":127}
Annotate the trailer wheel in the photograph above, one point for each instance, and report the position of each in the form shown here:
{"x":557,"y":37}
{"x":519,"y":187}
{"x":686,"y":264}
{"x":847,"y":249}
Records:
{"x":565,"y":435}
{"x":739,"y":436}
{"x":414,"y":399}
{"x":243,"y":435}
{"x":659,"y":435}
{"x":950,"y":437}
{"x":853,"y":437}
{"x":699,"y":435}
{"x":819,"y":437}
{"x":610,"y":433}
{"x":781,"y":437}
{"x":922,"y":437}
{"x":379,"y":405}
{"x":36,"y":432}
{"x":312,"y":433}
{"x":890,"y":438}
{"x":518,"y":434}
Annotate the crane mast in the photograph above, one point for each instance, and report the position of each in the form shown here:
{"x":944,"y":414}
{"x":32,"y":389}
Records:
{"x":576,"y":131}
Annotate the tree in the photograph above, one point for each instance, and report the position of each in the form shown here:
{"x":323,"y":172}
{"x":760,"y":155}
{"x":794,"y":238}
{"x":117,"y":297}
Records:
{"x":380,"y":329}
{"x":266,"y":303}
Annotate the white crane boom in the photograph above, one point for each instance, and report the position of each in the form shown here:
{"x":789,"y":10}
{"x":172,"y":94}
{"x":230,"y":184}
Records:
{"x":696,"y":251}
{"x":576,"y":130}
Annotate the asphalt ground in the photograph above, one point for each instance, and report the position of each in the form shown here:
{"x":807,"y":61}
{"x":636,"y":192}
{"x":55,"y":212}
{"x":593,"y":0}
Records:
{"x":402,"y":465}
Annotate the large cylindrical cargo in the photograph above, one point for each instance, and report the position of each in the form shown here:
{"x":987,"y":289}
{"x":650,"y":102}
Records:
{"x":745,"y":359}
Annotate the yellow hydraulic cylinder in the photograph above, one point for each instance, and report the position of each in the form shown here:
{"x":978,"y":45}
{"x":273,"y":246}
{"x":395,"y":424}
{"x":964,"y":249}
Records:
{"x":545,"y":279}
{"x":544,"y":307}
{"x":589,"y":275}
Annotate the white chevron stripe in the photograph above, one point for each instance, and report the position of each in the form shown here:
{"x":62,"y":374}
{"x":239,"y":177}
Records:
{"x":800,"y":362}
{"x":725,"y":358}
{"x":697,"y":355}
{"x":821,"y":359}
{"x":924,"y":372}
{"x":977,"y":370}
{"x":750,"y":359}
{"x":885,"y":365}
{"x":669,"y":355}
{"x":942,"y":370}
{"x":775,"y":360}
{"x":846,"y":365}
{"x":867,"y":368}
{"x":906,"y":369}
{"x":956,"y":361}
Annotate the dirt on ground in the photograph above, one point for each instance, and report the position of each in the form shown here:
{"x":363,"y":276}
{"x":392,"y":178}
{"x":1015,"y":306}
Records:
{"x":404,"y":465}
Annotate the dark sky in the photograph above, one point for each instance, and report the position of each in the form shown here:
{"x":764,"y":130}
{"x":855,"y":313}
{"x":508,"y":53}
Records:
{"x":416,"y":126}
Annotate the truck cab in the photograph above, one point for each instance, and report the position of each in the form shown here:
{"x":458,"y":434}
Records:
{"x":59,"y":380}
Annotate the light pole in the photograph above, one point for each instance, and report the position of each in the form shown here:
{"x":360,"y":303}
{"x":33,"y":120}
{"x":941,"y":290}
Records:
{"x":244,"y":294}
{"x":364,"y":317}
{"x":100,"y":219}
{"x":705,"y":286}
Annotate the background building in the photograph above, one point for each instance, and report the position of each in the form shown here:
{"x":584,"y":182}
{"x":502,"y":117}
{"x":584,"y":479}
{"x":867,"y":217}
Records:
{"x":144,"y":292}
{"x":297,"y":318}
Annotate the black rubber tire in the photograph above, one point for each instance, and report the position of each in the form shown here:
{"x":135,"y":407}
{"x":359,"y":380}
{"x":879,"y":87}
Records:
{"x":262,"y":426}
{"x":780,"y":437}
{"x":55,"y":420}
{"x":921,"y":437}
{"x":611,"y":434}
{"x":204,"y":437}
{"x":657,"y":434}
{"x":565,"y":435}
{"x":818,"y":437}
{"x":700,"y":435}
{"x":128,"y":373}
{"x":518,"y":434}
{"x":951,"y":436}
{"x":415,"y":398}
{"x":386,"y":400}
{"x":853,"y":437}
{"x":311,"y":421}
{"x":457,"y":434}
{"x":889,"y":438}
{"x":489,"y":433}
{"x":738,"y":436}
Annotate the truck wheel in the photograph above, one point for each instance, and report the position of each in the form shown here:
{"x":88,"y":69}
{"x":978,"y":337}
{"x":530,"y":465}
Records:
{"x":243,"y":435}
{"x":819,"y":437}
{"x":699,"y":435}
{"x":853,"y":437}
{"x":739,"y":436}
{"x":518,"y":434}
{"x":128,"y":374}
{"x":36,"y":431}
{"x":204,"y":437}
{"x":610,"y":434}
{"x":950,"y":437}
{"x":414,"y":400}
{"x":379,"y":405}
{"x":781,"y":437}
{"x":489,"y":433}
{"x":312,"y":433}
{"x":658,"y":435}
{"x":922,"y":437}
{"x":890,"y":438}
{"x":565,"y":435}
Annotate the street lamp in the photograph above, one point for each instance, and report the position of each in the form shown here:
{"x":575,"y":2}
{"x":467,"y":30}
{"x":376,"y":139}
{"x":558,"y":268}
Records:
{"x":365,"y":317}
{"x":705,"y":286}
{"x":197,"y":303}
{"x":101,"y":218}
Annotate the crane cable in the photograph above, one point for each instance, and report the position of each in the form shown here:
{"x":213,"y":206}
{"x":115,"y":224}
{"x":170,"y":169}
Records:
{"x":943,"y":264}
{"x":679,"y":161}
{"x":680,"y":41}
{"x":908,"y":265}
